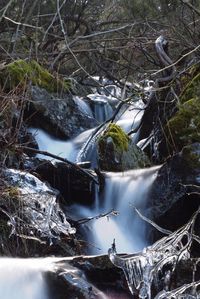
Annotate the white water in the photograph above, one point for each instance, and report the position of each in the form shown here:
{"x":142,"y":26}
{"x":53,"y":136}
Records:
{"x":123,"y":192}
{"x":100,"y":107}
{"x":83,"y":106}
{"x":130,"y":119}
{"x":46,"y":142}
{"x":23,"y":278}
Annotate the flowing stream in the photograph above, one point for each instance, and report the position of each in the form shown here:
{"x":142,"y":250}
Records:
{"x":23,"y":278}
{"x":122,"y":192}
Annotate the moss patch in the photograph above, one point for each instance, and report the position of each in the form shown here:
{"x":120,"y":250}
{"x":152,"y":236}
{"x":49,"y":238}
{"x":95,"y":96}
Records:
{"x":117,"y":152}
{"x":192,"y":89}
{"x":20,"y":72}
{"x":184,"y":127}
{"x":119,"y":138}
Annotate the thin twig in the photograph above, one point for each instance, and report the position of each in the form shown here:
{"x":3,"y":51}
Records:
{"x":22,"y":24}
{"x":85,"y":220}
{"x":160,"y":229}
{"x":45,"y":153}
{"x":191,"y":6}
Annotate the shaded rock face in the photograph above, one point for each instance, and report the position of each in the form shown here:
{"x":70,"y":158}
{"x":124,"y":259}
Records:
{"x":59,"y":116}
{"x":118,"y":153}
{"x":30,"y":212}
{"x":73,"y":185}
{"x":176,"y":179}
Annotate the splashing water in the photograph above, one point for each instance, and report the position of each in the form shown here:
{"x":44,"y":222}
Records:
{"x":46,"y":142}
{"x":122,"y":192}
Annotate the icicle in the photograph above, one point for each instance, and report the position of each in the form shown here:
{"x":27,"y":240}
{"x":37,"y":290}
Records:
{"x":142,"y":269}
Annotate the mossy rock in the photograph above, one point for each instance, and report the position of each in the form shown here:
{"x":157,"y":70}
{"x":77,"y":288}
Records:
{"x":20,"y":72}
{"x":119,"y":138}
{"x":191,"y":90}
{"x":184,"y":128}
{"x":117,"y":152}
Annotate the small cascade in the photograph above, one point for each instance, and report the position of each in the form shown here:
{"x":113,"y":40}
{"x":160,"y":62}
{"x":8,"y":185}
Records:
{"x":47,"y":142}
{"x":128,"y":118}
{"x":100,"y":107}
{"x":23,"y":278}
{"x":123,"y":192}
{"x":83,"y":106}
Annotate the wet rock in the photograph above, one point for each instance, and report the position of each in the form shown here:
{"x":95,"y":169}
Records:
{"x":60,"y":116}
{"x":32,"y":216}
{"x":78,"y":89}
{"x":176,"y":188}
{"x":73,"y":185}
{"x":118,"y":153}
{"x":87,"y":278}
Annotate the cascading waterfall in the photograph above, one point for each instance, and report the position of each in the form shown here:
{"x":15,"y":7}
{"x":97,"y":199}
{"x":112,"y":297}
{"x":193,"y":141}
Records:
{"x":123,"y":192}
{"x":23,"y":278}
{"x":47,"y":142}
{"x":100,"y":107}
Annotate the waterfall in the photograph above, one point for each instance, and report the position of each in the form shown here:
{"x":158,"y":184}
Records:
{"x":100,"y":107}
{"x":83,"y":106}
{"x":23,"y":278}
{"x":47,"y":142}
{"x":123,"y":192}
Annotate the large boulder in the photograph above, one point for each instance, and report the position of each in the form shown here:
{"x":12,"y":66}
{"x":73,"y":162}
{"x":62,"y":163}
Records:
{"x":60,"y":116}
{"x":174,"y":195}
{"x":74,"y":185}
{"x":118,"y":153}
{"x":51,"y":104}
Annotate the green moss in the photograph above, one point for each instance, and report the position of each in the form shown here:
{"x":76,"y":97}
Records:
{"x":184,"y":127}
{"x":119,"y":137}
{"x":192,"y":89}
{"x":116,"y":152}
{"x":20,"y":72}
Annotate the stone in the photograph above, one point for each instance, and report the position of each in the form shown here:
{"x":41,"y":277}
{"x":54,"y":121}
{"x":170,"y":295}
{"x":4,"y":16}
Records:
{"x":87,"y":277}
{"x":117,"y":152}
{"x":60,"y":116}
{"x":176,"y":188}
{"x":73,"y":185}
{"x":184,"y":126}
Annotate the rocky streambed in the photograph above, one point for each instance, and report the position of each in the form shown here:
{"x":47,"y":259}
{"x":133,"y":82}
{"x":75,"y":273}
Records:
{"x":65,"y":207}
